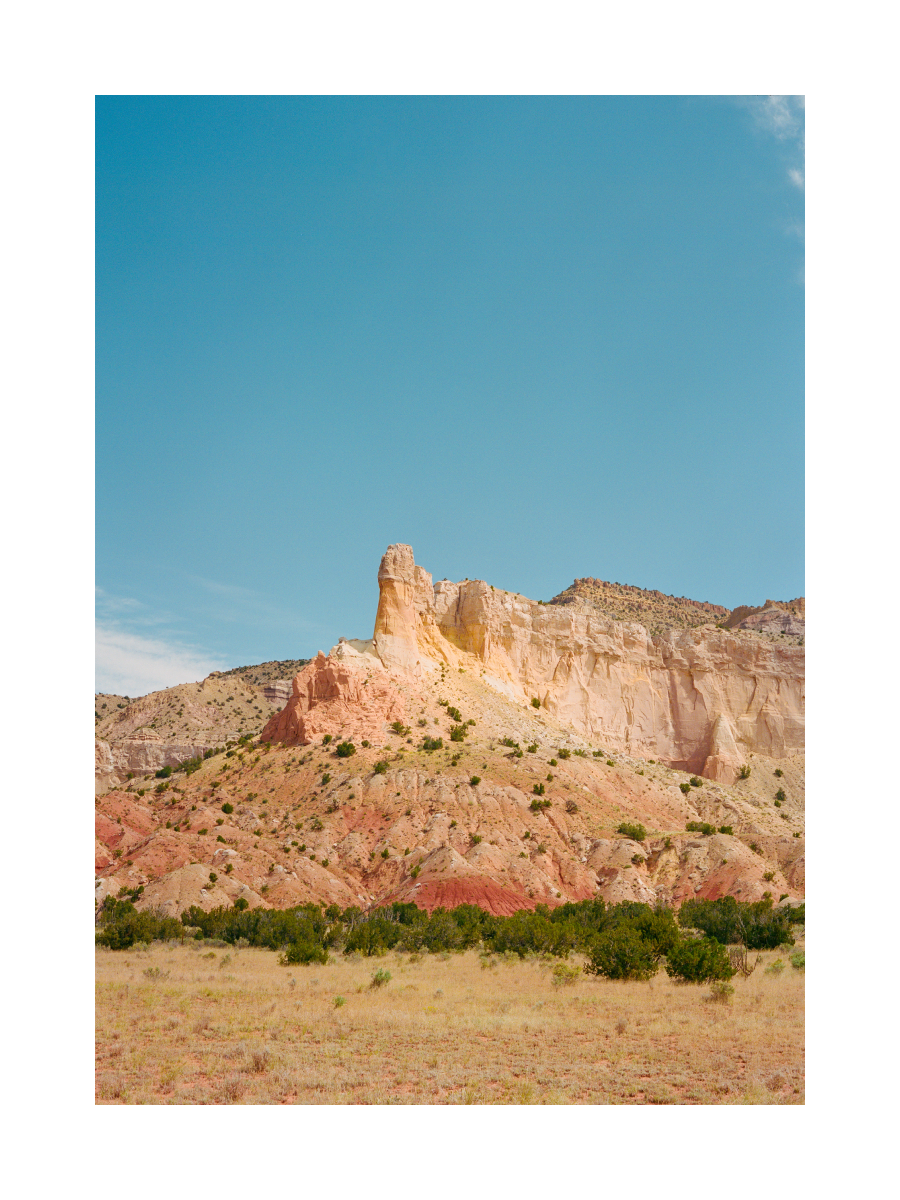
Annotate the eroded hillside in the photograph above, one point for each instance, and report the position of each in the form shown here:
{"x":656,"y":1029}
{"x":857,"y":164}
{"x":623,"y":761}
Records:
{"x":452,"y":759}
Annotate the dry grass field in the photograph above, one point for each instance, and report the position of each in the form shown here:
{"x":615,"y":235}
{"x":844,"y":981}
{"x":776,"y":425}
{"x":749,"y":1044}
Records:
{"x":196,"y":1024}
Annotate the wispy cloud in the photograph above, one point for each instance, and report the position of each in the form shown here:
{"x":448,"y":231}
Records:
{"x":130,"y":664}
{"x":233,"y":602}
{"x":783,"y":117}
{"x":130,"y":660}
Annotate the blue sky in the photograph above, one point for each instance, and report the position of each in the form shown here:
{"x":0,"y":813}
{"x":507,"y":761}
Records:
{"x":535,"y":337}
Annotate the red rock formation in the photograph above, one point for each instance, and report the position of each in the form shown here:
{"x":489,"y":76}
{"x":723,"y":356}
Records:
{"x":345,"y":694}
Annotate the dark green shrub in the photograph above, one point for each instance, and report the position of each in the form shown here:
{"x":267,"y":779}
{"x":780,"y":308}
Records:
{"x":621,"y":954}
{"x":703,"y":827}
{"x":698,"y":961}
{"x":227,"y":808}
{"x":326,"y":778}
{"x":399,"y":728}
{"x":476,"y":838}
{"x":744,"y":772}
{"x":636,"y":832}
{"x":458,"y":733}
{"x":696,"y":781}
{"x":163,"y":774}
{"x":326,"y":740}
{"x":685,"y":787}
{"x":380,"y":767}
{"x":756,"y":925}
{"x":779,"y":795}
{"x":538,"y":805}
{"x":532,"y":749}
{"x":305,"y":951}
{"x":535,"y":702}
{"x":564,"y":753}
{"x":538,"y":789}
{"x":345,"y":749}
{"x":385,"y":852}
{"x":729,"y":829}
{"x":571,"y":807}
{"x":778,"y":773}
{"x":127,"y":926}
{"x":433,"y":744}
{"x":454,"y":713}
{"x":475,"y":780}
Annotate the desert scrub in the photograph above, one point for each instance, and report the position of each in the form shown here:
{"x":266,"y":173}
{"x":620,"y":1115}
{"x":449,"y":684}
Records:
{"x":564,"y":976}
{"x":380,"y":978}
{"x":380,"y":768}
{"x":622,"y":954}
{"x":703,"y":827}
{"x":699,"y":961}
{"x":636,"y":831}
{"x":345,"y":749}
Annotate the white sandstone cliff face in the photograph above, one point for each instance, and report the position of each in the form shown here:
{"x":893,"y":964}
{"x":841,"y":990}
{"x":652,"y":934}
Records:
{"x":699,"y":700}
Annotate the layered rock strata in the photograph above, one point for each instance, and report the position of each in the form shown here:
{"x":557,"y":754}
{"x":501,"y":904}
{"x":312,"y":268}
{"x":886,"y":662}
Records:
{"x":699,"y":699}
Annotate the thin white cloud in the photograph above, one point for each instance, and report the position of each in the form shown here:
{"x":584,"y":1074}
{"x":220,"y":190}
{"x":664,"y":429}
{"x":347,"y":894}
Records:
{"x":129,"y":664}
{"x":779,"y":115}
{"x":783,"y":117}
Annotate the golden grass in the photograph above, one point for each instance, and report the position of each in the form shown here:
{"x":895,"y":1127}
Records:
{"x":195,"y":1025}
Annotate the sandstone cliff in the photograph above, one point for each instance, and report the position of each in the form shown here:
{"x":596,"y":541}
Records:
{"x":699,"y":699}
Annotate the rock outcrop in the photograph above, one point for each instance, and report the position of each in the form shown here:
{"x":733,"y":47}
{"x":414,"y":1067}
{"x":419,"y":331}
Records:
{"x":699,"y":699}
{"x":347,"y":693}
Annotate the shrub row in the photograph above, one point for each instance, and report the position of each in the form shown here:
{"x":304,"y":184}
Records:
{"x":621,"y":941}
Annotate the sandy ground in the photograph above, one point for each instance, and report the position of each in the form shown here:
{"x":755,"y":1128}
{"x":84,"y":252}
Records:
{"x":205,"y":1024}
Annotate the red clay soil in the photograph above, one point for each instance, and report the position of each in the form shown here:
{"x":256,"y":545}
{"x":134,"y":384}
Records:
{"x":448,"y":893}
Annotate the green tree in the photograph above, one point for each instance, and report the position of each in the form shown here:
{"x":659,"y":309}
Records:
{"x":698,"y":960}
{"x":622,"y":954}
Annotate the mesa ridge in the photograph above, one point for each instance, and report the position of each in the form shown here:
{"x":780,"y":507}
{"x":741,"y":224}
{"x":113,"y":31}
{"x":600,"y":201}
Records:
{"x":508,"y":687}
